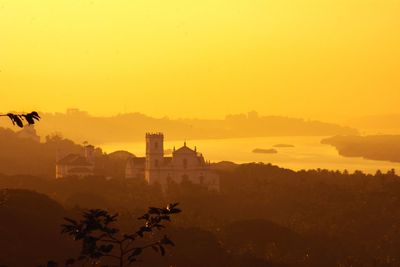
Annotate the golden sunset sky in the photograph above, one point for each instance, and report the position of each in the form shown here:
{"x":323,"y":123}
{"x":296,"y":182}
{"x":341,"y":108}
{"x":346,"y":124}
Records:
{"x":320,"y":59}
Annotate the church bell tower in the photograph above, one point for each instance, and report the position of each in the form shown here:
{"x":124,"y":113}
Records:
{"x":154,"y":156}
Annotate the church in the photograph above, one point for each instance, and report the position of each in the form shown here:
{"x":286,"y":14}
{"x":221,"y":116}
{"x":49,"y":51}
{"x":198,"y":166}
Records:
{"x":184,"y":164}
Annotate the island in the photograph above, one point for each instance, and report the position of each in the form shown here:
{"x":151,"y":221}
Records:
{"x":283,"y":145}
{"x":265,"y":151}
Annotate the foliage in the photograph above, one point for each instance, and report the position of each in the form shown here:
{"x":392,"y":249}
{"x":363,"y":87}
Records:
{"x":21,"y":119}
{"x":3,"y":197}
{"x":22,"y":155}
{"x":100,"y":238}
{"x":263,"y":216}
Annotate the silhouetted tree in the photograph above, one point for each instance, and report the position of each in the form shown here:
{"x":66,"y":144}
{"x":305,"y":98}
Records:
{"x":101,"y":239}
{"x":21,"y":119}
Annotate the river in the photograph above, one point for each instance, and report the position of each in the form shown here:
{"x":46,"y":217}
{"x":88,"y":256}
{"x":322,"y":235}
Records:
{"x":306,"y":153}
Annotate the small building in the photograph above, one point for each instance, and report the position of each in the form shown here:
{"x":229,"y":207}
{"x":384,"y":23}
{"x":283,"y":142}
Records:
{"x":184,"y":164}
{"x":76,"y":165}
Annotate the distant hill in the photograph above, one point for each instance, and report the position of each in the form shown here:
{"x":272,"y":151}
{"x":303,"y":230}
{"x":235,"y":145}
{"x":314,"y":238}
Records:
{"x":224,"y":166}
{"x":80,"y":126}
{"x":375,"y":147}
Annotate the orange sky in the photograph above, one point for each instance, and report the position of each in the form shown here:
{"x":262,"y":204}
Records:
{"x":322,"y":59}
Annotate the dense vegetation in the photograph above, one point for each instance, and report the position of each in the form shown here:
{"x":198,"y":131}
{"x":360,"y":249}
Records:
{"x":28,"y":156}
{"x":263,"y":216}
{"x":376,"y":147}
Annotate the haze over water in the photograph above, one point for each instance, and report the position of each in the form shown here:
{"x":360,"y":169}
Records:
{"x":307,"y":153}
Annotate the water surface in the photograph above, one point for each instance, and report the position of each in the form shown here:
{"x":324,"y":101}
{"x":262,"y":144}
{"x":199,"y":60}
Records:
{"x":307,"y":153}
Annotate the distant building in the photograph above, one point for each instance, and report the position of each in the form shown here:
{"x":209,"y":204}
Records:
{"x":184,"y":164}
{"x":76,"y":165}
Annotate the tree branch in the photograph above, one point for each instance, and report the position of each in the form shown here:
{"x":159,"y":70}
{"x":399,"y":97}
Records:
{"x":19,"y":119}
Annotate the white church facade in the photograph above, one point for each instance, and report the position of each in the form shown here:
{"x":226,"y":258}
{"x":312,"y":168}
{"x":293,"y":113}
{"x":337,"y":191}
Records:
{"x":184,"y":164}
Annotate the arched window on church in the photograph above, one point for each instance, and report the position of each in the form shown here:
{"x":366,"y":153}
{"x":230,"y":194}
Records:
{"x":156,"y":145}
{"x":185,"y":163}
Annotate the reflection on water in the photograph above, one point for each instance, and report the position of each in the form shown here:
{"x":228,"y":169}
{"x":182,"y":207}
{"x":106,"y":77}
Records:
{"x":307,"y":153}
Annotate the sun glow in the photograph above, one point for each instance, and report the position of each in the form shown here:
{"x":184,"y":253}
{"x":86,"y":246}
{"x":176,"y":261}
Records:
{"x":324,"y":59}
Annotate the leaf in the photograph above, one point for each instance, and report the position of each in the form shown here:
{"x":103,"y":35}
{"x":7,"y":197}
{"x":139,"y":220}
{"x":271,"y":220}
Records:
{"x":165,"y":217}
{"x":171,"y":206}
{"x":35,"y":115}
{"x":167,"y":241}
{"x":155,"y":248}
{"x":144,"y":217}
{"x":70,"y":220}
{"x":174,"y":210}
{"x":15,"y":119}
{"x":11,"y":116}
{"x":159,"y":226}
{"x":18,"y":121}
{"x":136,"y":252}
{"x":153,"y":210}
{"x":29,"y":119}
{"x":144,"y":229}
{"x":162,"y":250}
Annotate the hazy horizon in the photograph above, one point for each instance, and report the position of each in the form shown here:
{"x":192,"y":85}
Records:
{"x":367,"y":118}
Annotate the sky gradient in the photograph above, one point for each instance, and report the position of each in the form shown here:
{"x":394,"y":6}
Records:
{"x":320,"y":59}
